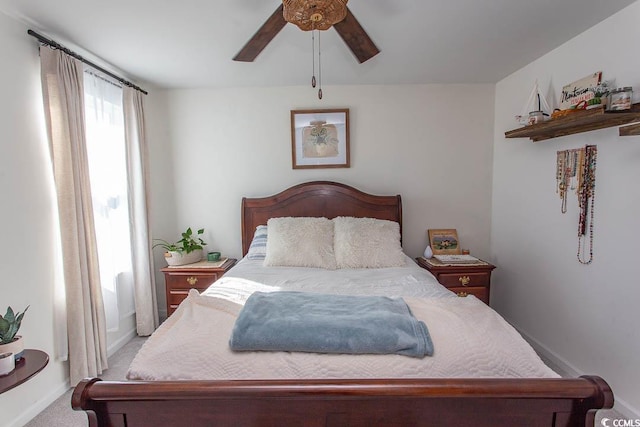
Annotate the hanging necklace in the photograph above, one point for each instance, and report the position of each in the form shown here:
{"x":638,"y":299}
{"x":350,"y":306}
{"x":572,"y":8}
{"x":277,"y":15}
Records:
{"x":569,"y":173}
{"x":580,"y":170}
{"x":576,"y":170}
{"x":573,"y":161}
{"x":561,"y":179}
{"x":586,"y":202}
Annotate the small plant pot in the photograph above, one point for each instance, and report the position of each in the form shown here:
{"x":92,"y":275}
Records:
{"x":179,"y":258}
{"x":7,"y":363}
{"x":16,"y":347}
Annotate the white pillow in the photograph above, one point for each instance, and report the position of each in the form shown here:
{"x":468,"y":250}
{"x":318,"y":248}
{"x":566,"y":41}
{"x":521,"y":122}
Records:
{"x":300,"y":242}
{"x":367,"y":243}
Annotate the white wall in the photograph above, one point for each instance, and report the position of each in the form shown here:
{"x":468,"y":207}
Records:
{"x":430,"y":143}
{"x":584,"y":317}
{"x":27,"y":256}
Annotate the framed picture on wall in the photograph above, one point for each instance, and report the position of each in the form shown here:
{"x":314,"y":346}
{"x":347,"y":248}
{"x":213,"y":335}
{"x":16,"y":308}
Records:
{"x":320,"y":138}
{"x":444,"y":241}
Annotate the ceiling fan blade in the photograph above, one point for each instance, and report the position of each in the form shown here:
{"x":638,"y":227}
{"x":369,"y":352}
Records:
{"x":262,"y":37}
{"x":356,"y":38}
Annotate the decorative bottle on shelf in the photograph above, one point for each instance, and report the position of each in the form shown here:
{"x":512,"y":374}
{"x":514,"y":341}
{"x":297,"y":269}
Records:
{"x":428,"y":253}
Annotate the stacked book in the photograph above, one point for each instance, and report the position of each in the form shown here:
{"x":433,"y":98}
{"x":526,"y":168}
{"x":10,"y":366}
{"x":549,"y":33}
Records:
{"x":453,"y":260}
{"x":457,"y":259}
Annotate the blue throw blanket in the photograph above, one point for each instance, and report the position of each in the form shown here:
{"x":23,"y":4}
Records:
{"x":300,"y":321}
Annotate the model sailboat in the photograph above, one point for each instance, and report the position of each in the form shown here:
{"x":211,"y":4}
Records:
{"x":541,"y":107}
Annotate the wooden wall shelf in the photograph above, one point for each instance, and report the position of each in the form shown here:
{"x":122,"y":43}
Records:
{"x":578,"y":122}
{"x":630,"y":130}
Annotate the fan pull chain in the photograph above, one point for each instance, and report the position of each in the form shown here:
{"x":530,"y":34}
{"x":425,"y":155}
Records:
{"x":313,"y":59}
{"x":319,"y":69}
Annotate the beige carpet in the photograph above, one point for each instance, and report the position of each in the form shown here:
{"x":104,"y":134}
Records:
{"x":60,"y":414}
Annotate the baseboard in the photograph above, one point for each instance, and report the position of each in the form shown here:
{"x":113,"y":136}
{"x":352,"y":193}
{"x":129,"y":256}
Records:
{"x":118,"y":344}
{"x":566,"y":369}
{"x":32,"y":411}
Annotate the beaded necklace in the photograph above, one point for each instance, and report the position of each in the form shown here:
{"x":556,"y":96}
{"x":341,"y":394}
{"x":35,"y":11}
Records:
{"x":576,"y":170}
{"x":586,"y":202}
{"x":568,"y":167}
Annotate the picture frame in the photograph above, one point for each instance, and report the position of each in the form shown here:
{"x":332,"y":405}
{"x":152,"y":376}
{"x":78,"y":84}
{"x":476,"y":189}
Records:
{"x":320,"y":138}
{"x":444,"y":241}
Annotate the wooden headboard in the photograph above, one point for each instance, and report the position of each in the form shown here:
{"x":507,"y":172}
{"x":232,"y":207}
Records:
{"x":317,"y":199}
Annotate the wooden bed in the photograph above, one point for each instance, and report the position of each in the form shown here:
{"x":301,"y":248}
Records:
{"x":380,"y":402}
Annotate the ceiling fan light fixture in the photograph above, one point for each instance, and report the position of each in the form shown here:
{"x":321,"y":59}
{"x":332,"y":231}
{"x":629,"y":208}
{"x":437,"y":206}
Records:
{"x":314,"y":14}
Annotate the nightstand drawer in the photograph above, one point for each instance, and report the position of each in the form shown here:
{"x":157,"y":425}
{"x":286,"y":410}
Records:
{"x":190,"y":280}
{"x":464,"y":279}
{"x":176,"y":296}
{"x":480,"y":292}
{"x":179,"y":280}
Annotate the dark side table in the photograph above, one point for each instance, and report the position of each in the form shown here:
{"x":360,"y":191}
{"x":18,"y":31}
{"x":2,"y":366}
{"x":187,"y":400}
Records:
{"x":32,"y":362}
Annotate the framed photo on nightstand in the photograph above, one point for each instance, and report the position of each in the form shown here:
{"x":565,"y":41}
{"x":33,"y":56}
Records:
{"x":444,"y":241}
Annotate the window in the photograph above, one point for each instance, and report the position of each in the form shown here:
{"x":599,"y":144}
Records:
{"x":108,"y":175}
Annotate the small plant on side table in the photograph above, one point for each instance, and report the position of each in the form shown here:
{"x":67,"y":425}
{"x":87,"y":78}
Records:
{"x":187,"y":250}
{"x":9,"y":327}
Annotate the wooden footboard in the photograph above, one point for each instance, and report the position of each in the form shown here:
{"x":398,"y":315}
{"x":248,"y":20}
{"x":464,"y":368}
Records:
{"x":429,"y":402}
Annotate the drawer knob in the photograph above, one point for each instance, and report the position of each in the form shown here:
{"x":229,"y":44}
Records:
{"x":462,"y":294}
{"x":464,"y":280}
{"x":192,"y":280}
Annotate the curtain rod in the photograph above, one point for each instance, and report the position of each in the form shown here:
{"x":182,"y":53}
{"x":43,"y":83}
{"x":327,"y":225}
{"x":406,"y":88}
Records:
{"x":58,"y":46}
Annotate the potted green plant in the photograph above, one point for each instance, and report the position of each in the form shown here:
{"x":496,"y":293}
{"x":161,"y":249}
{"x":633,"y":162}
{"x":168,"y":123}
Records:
{"x":187,"y":250}
{"x":9,"y":326}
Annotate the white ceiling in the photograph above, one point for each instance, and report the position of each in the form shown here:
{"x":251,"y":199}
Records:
{"x":190,"y":43}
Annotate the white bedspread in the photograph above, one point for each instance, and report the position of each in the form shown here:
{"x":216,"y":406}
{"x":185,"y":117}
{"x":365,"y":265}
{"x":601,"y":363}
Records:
{"x":470,"y":339}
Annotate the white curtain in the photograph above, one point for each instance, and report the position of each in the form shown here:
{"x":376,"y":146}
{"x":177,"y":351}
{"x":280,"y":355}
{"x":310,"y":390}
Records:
{"x":63,"y":96}
{"x":107,"y":169}
{"x":138,"y":176}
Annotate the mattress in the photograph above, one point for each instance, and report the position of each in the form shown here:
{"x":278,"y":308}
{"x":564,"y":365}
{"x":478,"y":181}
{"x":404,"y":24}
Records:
{"x":470,"y":339}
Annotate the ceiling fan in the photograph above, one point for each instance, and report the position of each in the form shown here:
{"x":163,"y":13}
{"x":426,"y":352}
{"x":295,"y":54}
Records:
{"x":312,"y":15}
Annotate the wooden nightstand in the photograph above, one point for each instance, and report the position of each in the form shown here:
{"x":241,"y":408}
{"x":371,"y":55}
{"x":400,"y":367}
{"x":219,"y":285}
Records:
{"x":180,"y":279}
{"x":461,"y":279}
